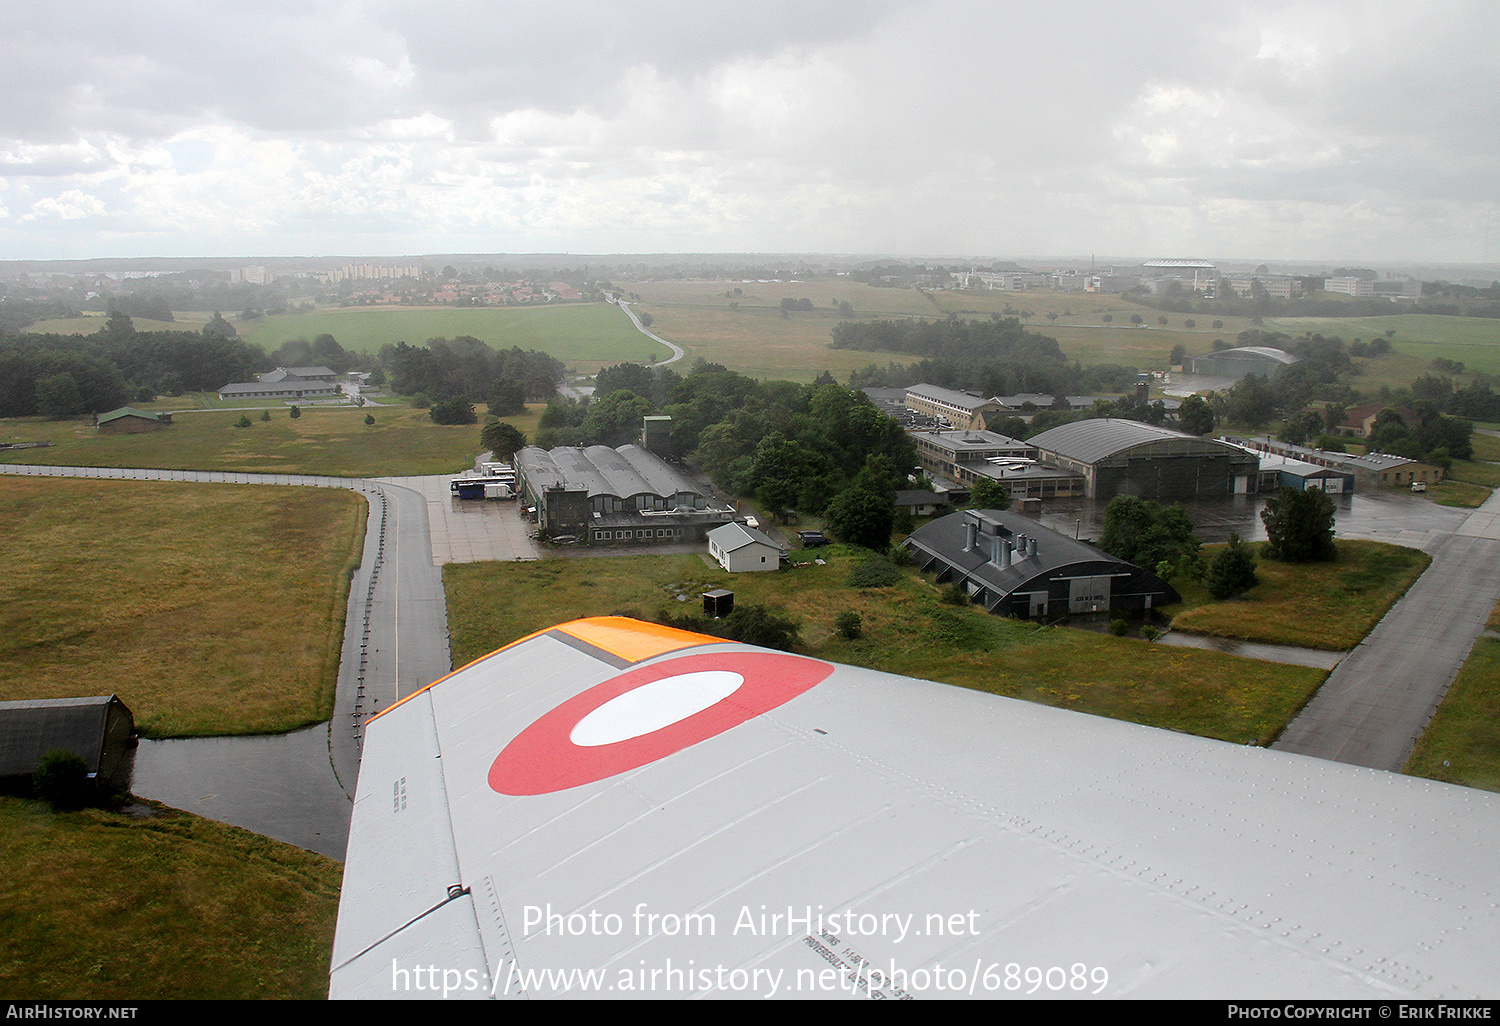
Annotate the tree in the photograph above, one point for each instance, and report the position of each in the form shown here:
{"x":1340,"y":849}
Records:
{"x":243,"y":422}
{"x":849,"y":625}
{"x":1145,"y":533}
{"x":507,"y":397}
{"x":1179,"y":355}
{"x":453,"y":410}
{"x":1196,"y":416}
{"x":295,"y":412}
{"x":502,"y":439}
{"x":1137,"y":320}
{"x":1299,"y":526}
{"x":369,"y":419}
{"x":265,"y":415}
{"x":989,"y":494}
{"x":217,"y":325}
{"x":1232,"y":571}
{"x":862,"y":518}
{"x":58,"y":396}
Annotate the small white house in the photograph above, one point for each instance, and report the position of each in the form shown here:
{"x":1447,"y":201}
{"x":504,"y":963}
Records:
{"x":739,"y":548}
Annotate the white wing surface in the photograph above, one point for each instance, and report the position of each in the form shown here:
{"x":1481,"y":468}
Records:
{"x":615,"y":809}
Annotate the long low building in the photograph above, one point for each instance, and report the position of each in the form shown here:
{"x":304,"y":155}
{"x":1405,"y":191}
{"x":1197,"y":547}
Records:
{"x":614,"y":496}
{"x":1127,"y":457}
{"x":1016,"y":567}
{"x":1372,"y":470}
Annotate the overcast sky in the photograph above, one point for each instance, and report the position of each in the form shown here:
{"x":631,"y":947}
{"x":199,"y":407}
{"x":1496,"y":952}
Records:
{"x":1343,"y":131}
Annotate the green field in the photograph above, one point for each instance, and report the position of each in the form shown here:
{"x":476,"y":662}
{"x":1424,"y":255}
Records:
{"x":583,"y":335}
{"x":209,"y":609}
{"x":99,"y":906}
{"x":907,"y":630}
{"x":1315,"y":605}
{"x":402,"y":442}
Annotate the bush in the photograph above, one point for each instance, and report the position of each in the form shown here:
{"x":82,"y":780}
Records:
{"x":849,"y":625}
{"x":244,"y":421}
{"x":453,"y":410}
{"x":875,"y":572}
{"x":1149,"y":632}
{"x":265,"y":415}
{"x":62,"y":780}
{"x":955,"y":596}
{"x":1119,"y":628}
{"x":1232,"y":572}
{"x":295,"y":413}
{"x":370,"y":418}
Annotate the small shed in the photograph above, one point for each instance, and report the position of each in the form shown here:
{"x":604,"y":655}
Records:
{"x":100,"y":730}
{"x":739,"y":548}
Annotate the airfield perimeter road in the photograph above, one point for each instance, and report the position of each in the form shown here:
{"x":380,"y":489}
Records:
{"x":299,"y":787}
{"x":677,"y":352}
{"x":1375,"y":704}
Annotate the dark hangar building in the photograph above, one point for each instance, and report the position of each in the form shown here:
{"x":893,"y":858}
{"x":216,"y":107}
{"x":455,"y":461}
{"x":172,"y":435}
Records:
{"x":1264,"y":361}
{"x":1016,"y":567}
{"x":1127,"y":457}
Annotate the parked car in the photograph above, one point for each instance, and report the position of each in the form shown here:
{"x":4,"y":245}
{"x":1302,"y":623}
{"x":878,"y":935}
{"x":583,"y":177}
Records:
{"x":811,"y":539}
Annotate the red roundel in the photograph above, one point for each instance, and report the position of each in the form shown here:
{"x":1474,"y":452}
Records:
{"x":646,"y":714}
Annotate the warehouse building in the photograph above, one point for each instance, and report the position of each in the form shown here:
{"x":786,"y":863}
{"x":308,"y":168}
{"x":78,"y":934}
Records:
{"x":1015,"y":567}
{"x":1127,"y":457}
{"x":615,"y":496}
{"x":1265,"y":361}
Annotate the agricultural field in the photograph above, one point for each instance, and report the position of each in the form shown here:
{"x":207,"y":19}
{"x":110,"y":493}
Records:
{"x":907,"y":629}
{"x":89,"y":323}
{"x":402,"y":442}
{"x":157,"y":904}
{"x":209,"y":609}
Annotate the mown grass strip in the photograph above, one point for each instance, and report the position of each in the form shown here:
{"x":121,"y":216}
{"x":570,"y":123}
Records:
{"x":209,"y":609}
{"x":99,"y":905}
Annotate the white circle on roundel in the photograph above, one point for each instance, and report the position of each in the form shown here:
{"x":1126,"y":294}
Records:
{"x":653,"y":706}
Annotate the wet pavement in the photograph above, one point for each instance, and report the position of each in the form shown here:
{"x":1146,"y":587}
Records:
{"x":1291,"y":654}
{"x":1390,"y":516}
{"x":282,"y":785}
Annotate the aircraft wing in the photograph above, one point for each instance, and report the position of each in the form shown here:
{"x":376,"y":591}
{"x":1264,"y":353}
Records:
{"x":615,"y":809}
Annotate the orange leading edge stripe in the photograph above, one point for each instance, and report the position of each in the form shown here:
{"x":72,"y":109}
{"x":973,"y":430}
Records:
{"x":621,"y":636}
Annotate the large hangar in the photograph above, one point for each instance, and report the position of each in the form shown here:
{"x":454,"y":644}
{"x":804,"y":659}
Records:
{"x":1127,"y":457}
{"x":1014,"y":566}
{"x":1263,"y":361}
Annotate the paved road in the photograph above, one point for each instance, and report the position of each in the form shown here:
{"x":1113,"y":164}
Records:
{"x":677,"y":353}
{"x":1375,"y":704}
{"x":299,"y":787}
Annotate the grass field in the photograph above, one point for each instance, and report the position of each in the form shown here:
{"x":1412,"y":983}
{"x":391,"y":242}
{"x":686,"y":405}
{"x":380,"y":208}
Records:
{"x":209,"y":609}
{"x":907,"y":630}
{"x":98,"y":905}
{"x":1315,"y":605}
{"x":583,"y":335}
{"x":402,"y":442}
{"x":1462,"y":743}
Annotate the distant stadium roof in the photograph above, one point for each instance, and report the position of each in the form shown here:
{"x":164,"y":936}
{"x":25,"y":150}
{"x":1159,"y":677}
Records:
{"x":1199,"y":264}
